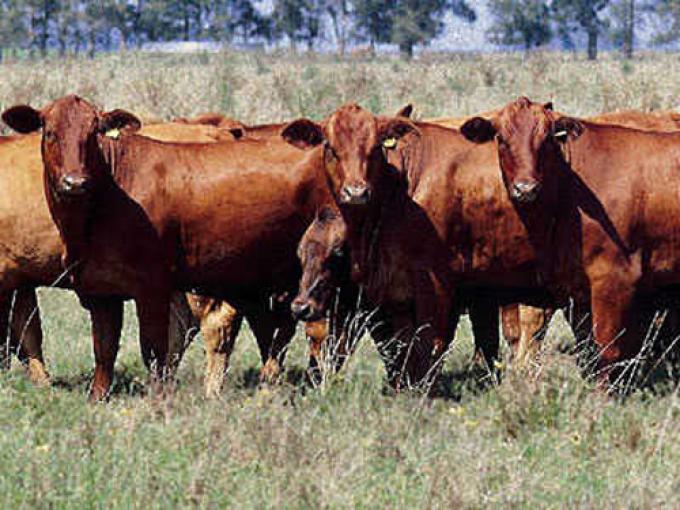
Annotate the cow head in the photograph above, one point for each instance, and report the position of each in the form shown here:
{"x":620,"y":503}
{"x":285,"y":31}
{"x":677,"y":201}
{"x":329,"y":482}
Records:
{"x":522,"y":131}
{"x":325,"y":261}
{"x":357,"y":148}
{"x":72,"y":130}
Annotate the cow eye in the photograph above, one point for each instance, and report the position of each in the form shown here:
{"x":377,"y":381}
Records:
{"x":338,"y":252}
{"x":330,"y":151}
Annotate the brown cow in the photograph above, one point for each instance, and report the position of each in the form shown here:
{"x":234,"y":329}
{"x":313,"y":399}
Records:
{"x":325,"y":260}
{"x":600,"y":204}
{"x":31,"y":248}
{"x":139,"y":217}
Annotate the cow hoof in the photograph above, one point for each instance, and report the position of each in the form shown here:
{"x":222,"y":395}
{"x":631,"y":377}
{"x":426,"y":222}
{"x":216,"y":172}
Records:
{"x":37,"y":373}
{"x":271,"y":371}
{"x":213,"y":387}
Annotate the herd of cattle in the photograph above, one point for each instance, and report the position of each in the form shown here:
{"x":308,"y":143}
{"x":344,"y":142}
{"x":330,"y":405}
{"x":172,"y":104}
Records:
{"x":208,"y":221}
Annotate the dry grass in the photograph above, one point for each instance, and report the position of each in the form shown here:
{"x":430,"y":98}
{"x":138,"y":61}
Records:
{"x":542,"y":438}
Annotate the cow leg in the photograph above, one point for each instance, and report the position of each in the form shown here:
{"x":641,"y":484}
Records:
{"x":183,"y":328}
{"x":614,"y":318}
{"x":26,"y":333}
{"x":153,"y":312}
{"x":273,"y":330}
{"x":533,"y":327}
{"x":317,"y":338}
{"x":7,"y":349}
{"x":484,"y":319}
{"x":107,"y":321}
{"x":512,"y":331}
{"x":220,"y":325}
{"x":435,"y":330}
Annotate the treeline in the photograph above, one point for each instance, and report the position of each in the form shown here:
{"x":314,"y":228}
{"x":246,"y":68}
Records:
{"x":77,"y":26}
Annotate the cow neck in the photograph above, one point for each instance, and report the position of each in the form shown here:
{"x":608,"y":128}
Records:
{"x":365,"y":231}
{"x":114,"y":152}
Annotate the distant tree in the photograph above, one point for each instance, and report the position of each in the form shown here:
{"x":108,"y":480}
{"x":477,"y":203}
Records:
{"x":574,"y":15}
{"x":41,"y":13}
{"x":624,"y":17}
{"x":373,"y":21}
{"x":525,"y":22}
{"x":420,"y":21}
{"x":339,"y":13}
{"x":13,"y":28}
{"x":66,"y":22}
{"x":667,"y":12}
{"x":288,"y":20}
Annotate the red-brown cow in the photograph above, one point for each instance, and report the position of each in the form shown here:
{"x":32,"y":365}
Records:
{"x":139,"y":217}
{"x":601,"y":205}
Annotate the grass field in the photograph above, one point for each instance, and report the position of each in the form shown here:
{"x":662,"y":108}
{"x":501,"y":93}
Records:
{"x":542,"y":438}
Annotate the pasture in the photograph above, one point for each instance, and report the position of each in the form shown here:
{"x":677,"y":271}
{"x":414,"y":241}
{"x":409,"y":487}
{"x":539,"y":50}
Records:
{"x":543,"y":437}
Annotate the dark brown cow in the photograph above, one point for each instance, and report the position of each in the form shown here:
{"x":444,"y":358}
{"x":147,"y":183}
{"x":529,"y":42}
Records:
{"x":601,"y":206}
{"x":139,"y":217}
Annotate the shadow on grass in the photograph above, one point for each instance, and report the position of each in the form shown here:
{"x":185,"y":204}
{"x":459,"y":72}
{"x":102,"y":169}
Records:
{"x":124,"y":383}
{"x":473,"y":379}
{"x":249,"y":379}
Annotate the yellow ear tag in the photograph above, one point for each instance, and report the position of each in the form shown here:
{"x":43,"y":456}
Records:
{"x":113,"y":133}
{"x":389,"y":143}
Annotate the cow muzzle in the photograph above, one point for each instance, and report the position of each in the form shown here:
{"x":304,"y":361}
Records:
{"x":525,"y":192}
{"x":355,"y":195}
{"x":73,"y":186}
{"x":303,"y":310}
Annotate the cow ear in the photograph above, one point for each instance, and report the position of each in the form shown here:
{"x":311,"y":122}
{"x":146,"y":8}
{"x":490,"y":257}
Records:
{"x":394,"y":129}
{"x":23,"y":119}
{"x":406,"y":111}
{"x":567,"y":127}
{"x":478,"y":130}
{"x":303,"y":134}
{"x":549,"y":106}
{"x":116,"y":120}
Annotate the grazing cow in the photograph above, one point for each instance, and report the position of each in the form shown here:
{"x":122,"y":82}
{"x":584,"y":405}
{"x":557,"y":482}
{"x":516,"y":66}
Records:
{"x":429,"y":225}
{"x":139,"y":217}
{"x":600,"y":204}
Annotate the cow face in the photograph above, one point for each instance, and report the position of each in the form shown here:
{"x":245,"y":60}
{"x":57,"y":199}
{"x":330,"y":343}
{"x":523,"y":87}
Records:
{"x":356,"y":146}
{"x":325,"y":263}
{"x":71,"y":134}
{"x":522,"y":130}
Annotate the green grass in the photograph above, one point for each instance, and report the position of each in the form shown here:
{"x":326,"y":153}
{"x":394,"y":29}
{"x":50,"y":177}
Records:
{"x":541,"y":438}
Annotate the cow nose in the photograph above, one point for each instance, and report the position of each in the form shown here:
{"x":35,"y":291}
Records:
{"x":72,"y":185}
{"x":302,"y":310}
{"x":355,"y":195}
{"x":525,"y":191}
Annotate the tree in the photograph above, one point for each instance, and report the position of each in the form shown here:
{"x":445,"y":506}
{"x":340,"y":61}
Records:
{"x":373,"y":21}
{"x":574,"y":15}
{"x":288,"y":19}
{"x":41,"y":13}
{"x":420,"y":21}
{"x":13,"y":29}
{"x":667,"y":13}
{"x":339,"y":13}
{"x":624,"y":18}
{"x":525,"y":22}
